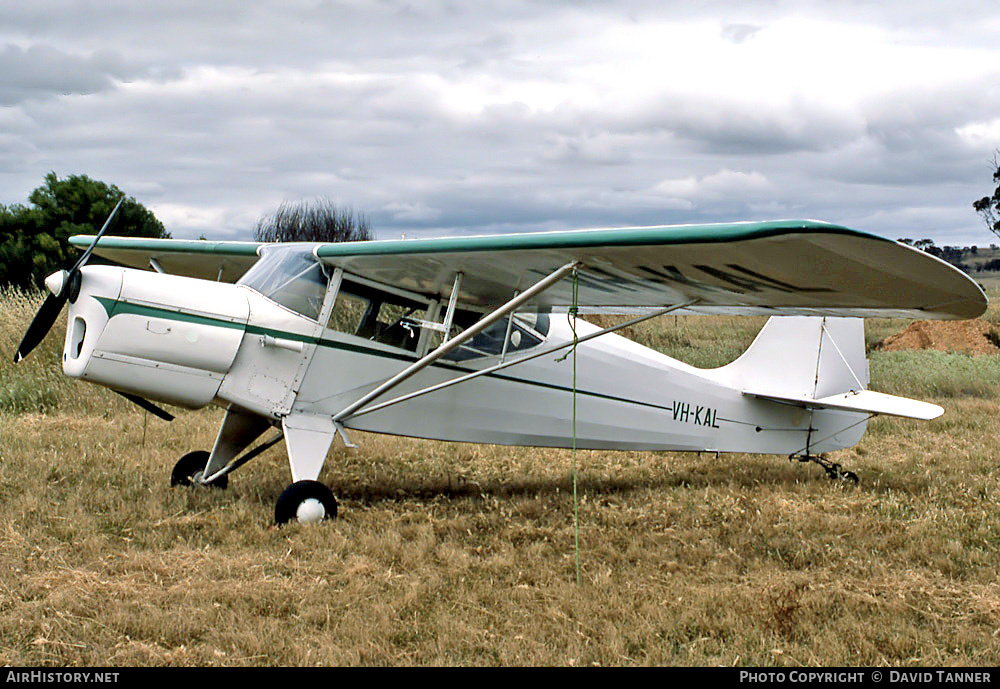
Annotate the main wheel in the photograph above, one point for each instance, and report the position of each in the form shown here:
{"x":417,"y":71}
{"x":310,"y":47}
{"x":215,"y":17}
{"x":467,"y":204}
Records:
{"x":307,"y":502}
{"x":189,"y":468}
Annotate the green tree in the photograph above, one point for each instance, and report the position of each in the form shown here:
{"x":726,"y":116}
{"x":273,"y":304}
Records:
{"x":989,"y":206}
{"x":34,"y":237}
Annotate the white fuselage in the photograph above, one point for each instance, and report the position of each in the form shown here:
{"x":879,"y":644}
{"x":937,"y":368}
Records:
{"x":628,"y":397}
{"x":190,"y":342}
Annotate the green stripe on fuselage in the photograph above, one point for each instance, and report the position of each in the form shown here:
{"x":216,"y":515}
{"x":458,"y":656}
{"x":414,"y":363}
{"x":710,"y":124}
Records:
{"x":115,"y":308}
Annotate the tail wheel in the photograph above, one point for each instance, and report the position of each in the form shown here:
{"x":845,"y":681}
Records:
{"x":189,"y":468}
{"x":849,"y":476}
{"x":307,"y":502}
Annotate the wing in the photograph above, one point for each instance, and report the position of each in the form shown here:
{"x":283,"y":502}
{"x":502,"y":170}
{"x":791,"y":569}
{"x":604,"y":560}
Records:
{"x":796,"y":267}
{"x":225,"y":261}
{"x":772,"y":268}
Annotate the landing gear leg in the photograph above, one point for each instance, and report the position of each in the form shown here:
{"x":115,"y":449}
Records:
{"x":191,"y":467}
{"x":833,"y":470}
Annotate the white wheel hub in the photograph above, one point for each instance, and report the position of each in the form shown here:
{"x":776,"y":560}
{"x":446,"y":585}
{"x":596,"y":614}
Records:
{"x":310,"y":511}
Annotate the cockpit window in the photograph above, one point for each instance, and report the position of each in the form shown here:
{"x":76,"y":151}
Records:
{"x":290,"y":276}
{"x":527,"y":331}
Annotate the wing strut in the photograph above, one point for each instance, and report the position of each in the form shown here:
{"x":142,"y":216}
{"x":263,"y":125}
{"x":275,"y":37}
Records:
{"x":502,"y":365}
{"x":454,"y":342}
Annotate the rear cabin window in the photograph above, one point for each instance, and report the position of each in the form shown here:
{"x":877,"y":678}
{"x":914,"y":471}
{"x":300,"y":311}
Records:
{"x":527,"y":331}
{"x":375,"y":315}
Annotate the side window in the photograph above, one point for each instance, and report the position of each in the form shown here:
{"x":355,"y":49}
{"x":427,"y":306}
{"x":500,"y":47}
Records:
{"x":523,"y":335}
{"x":539,"y":322}
{"x":375,"y":315}
{"x":389,"y":324}
{"x":348,"y":313}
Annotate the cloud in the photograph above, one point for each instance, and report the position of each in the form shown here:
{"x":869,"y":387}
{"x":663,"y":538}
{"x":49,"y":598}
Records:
{"x":980,"y":135}
{"x":40,"y":71}
{"x":411,"y":212}
{"x":212,"y":222}
{"x":444,"y":117}
{"x":724,"y":183}
{"x":737,"y":33}
{"x":599,"y":149}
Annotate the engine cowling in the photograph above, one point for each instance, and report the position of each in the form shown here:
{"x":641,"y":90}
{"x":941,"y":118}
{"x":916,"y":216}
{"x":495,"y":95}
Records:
{"x":163,"y":337}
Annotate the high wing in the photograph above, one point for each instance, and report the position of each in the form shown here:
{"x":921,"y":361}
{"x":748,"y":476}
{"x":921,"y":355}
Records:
{"x":766,"y":268}
{"x":794,"y":267}
{"x":225,"y":261}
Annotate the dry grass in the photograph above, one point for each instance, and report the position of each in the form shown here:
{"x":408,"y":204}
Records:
{"x":463,"y":554}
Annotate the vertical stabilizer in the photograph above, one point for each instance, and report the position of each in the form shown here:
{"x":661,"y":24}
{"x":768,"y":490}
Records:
{"x":803,"y":357}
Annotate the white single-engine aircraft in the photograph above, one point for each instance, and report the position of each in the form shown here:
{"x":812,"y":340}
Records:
{"x":465,"y":339}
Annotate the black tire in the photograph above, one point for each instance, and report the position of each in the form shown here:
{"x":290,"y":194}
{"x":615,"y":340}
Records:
{"x":191,"y":465}
{"x":293,"y":497}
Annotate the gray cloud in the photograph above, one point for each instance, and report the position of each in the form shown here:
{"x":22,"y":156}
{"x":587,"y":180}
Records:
{"x":41,"y":71}
{"x":454,"y":117}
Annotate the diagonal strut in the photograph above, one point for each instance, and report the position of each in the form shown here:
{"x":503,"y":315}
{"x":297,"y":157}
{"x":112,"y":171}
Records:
{"x":467,"y":334}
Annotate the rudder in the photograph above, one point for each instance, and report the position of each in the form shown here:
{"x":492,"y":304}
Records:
{"x":803,"y":356}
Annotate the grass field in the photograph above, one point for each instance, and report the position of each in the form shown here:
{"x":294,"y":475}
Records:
{"x":452,"y":554}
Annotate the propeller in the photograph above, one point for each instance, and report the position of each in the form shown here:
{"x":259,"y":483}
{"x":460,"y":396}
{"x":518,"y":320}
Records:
{"x":63,"y":286}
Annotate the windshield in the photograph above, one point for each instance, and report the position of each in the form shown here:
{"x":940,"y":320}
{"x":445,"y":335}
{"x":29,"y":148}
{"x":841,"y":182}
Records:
{"x":290,"y":276}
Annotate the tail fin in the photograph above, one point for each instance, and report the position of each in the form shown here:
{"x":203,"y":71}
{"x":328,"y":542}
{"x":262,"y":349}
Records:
{"x":803,"y":357}
{"x":818,"y":363}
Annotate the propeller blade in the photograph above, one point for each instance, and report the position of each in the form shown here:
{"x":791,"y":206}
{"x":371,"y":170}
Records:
{"x":46,"y":316}
{"x":40,"y":325}
{"x":147,"y":405}
{"x":86,"y":254}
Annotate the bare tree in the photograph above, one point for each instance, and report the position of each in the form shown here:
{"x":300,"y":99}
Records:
{"x":313,"y":221}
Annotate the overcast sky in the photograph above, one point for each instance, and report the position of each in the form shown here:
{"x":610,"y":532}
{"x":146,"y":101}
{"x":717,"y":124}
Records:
{"x":469,"y":117}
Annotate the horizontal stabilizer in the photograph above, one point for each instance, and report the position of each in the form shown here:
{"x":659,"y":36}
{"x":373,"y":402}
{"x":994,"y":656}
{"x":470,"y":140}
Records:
{"x":866,"y":401}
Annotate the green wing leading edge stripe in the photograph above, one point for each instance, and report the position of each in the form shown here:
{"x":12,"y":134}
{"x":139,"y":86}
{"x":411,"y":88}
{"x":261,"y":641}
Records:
{"x":572,"y":239}
{"x":619,"y":237}
{"x":115,"y":308}
{"x":182,"y":246}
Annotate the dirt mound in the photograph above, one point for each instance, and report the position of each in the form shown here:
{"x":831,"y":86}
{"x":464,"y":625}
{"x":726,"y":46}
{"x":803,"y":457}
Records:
{"x":968,"y":337}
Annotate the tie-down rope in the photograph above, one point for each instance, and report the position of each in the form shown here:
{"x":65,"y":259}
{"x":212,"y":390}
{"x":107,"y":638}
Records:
{"x":576,"y":508}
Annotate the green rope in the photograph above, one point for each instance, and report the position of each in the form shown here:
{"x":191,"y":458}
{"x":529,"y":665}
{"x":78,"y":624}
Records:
{"x":576,"y":507}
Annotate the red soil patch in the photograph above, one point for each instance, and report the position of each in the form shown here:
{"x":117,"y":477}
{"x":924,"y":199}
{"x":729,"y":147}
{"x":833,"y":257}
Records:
{"x":968,"y":337}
